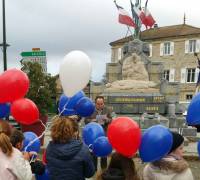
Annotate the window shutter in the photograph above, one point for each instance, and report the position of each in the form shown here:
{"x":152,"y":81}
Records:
{"x":196,"y":74}
{"x":150,"y":50}
{"x":186,"y":46}
{"x":119,"y":53}
{"x":183,"y":75}
{"x":171,"y":75}
{"x":161,"y":49}
{"x":171,"y":48}
{"x":198,"y":45}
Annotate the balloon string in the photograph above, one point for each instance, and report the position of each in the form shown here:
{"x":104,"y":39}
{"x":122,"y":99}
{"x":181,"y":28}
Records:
{"x":31,"y":142}
{"x":64,"y":108}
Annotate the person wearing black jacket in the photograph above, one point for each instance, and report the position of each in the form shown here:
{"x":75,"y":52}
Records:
{"x":67,"y":157}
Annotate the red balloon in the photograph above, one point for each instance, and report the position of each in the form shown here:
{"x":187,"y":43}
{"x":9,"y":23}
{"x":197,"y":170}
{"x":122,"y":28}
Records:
{"x":25,"y":111}
{"x":124,"y":135}
{"x":14,"y":85}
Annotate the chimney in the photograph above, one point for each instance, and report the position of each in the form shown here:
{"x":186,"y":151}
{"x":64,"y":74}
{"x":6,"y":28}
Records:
{"x":155,"y":25}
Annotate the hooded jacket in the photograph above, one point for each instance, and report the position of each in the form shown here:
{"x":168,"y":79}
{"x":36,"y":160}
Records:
{"x":168,"y":168}
{"x":14,"y":167}
{"x":70,"y":161}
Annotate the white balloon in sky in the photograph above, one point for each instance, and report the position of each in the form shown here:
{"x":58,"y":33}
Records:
{"x":75,"y":72}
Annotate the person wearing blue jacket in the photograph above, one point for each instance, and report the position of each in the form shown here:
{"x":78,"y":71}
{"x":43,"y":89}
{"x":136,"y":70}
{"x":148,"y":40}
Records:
{"x":67,"y":157}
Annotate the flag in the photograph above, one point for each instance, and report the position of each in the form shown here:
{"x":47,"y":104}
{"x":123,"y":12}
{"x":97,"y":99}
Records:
{"x":124,"y":17}
{"x":140,"y":14}
{"x":149,"y":19}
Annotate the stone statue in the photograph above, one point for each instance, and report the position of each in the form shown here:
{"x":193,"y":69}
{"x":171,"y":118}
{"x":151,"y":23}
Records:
{"x":135,"y":77}
{"x":133,"y":69}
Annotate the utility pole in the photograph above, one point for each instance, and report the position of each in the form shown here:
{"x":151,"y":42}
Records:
{"x":4,"y":44}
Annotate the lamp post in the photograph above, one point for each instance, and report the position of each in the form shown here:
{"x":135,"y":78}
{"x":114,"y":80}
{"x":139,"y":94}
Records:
{"x":4,"y":44}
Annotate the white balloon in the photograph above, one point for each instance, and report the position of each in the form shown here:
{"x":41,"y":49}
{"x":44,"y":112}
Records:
{"x":75,"y":71}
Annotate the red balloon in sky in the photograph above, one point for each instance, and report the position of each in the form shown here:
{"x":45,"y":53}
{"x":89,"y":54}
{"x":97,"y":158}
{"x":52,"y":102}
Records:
{"x":14,"y":85}
{"x":124,"y":135}
{"x":25,"y":111}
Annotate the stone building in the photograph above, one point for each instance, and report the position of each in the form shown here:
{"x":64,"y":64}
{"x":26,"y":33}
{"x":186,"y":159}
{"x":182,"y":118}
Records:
{"x":174,"y":47}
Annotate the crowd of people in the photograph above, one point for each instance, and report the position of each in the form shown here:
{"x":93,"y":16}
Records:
{"x":68,"y":158}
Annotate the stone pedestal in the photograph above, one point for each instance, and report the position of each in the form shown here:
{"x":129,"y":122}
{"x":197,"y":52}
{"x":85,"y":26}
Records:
{"x":136,"y":103}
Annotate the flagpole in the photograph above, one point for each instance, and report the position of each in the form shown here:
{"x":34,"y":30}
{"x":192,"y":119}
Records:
{"x":198,"y":79}
{"x":136,"y":19}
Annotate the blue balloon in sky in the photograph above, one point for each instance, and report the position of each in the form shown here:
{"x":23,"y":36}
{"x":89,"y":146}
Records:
{"x":91,"y":132}
{"x":156,"y":143}
{"x":193,"y":112}
{"x":4,"y":110}
{"x":69,"y":103}
{"x":30,"y":136}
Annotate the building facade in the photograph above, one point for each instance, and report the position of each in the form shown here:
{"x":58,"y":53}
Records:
{"x":173,"y":46}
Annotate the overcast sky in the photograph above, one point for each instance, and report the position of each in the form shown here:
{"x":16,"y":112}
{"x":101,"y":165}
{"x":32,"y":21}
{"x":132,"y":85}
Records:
{"x":60,"y":26}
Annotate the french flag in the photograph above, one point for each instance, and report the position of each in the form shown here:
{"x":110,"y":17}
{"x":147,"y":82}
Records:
{"x":124,"y":17}
{"x":140,"y":14}
{"x":149,"y":18}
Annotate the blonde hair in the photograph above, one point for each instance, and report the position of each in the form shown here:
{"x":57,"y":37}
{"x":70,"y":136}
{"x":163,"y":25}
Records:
{"x":63,"y":129}
{"x":5,"y":132}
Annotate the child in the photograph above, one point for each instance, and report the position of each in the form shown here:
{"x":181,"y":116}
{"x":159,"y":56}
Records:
{"x":171,"y":167}
{"x":16,"y":139}
{"x":13,"y":165}
{"x":120,"y":168}
{"x":67,"y":157}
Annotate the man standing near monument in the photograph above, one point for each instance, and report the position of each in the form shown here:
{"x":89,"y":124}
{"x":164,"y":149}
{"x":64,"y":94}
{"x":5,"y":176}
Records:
{"x":101,"y":115}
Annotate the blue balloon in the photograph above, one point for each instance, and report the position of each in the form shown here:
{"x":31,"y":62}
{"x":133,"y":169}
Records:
{"x":91,"y":132}
{"x":85,"y":107}
{"x":198,"y":148}
{"x":28,"y":137}
{"x":45,"y":176}
{"x":156,"y":143}
{"x":69,"y":103}
{"x":193,"y":112}
{"x":4,"y":110}
{"x":102,"y":147}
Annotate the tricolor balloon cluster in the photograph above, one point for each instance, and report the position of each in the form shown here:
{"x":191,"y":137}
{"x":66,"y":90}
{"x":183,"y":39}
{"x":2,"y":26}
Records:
{"x":75,"y":73}
{"x":14,"y":85}
{"x":124,"y":135}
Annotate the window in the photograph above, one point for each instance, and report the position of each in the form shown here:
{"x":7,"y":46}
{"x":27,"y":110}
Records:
{"x":166,"y":75}
{"x":189,"y":96}
{"x":192,"y":46}
{"x":190,"y":75}
{"x":166,"y":50}
{"x":119,"y":53}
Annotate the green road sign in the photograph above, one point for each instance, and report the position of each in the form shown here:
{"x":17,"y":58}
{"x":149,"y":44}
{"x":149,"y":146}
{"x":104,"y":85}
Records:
{"x":33,"y":53}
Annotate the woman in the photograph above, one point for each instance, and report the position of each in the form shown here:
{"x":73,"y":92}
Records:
{"x":171,"y":167}
{"x":13,"y":165}
{"x":67,"y":157}
{"x":120,"y":168}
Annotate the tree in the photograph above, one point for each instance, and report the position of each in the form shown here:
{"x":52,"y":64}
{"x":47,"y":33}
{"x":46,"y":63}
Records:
{"x":42,"y":86}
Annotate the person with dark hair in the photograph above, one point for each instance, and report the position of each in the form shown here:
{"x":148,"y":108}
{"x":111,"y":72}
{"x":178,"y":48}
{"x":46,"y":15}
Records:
{"x":171,"y":167}
{"x":120,"y":168}
{"x":13,"y":165}
{"x":67,"y":157}
{"x":101,"y":115}
{"x":17,"y":138}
